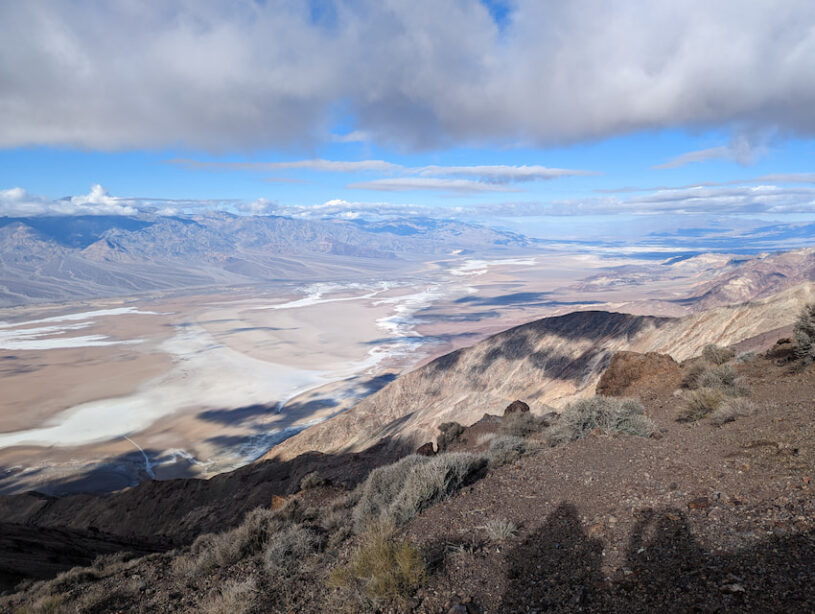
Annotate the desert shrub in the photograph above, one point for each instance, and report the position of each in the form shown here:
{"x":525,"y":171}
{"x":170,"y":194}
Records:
{"x":505,"y":450}
{"x":287,"y":549}
{"x":384,"y":569}
{"x":223,"y":549}
{"x":803,"y":343}
{"x":520,"y":424}
{"x":312,"y":480}
{"x":380,"y":489}
{"x":50,"y":604}
{"x":499,"y":530}
{"x":233,"y":598}
{"x":485,"y":438}
{"x":744,"y":357}
{"x":433,"y":481}
{"x":723,"y":378}
{"x":399,"y":491}
{"x":699,"y":403}
{"x":449,"y":432}
{"x":103,"y":598}
{"x":108,"y":563}
{"x":692,"y":373}
{"x":716,"y":354}
{"x":732,"y":408}
{"x":606,"y":414}
{"x":67,"y":580}
{"x":720,"y":377}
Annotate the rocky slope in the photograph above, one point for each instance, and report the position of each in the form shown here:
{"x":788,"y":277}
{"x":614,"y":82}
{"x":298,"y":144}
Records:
{"x":697,"y":518}
{"x":547,"y":362}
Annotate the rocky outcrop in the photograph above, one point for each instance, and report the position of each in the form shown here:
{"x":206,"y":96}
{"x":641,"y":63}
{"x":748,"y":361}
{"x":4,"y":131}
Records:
{"x":516,"y":407}
{"x":630,"y":371}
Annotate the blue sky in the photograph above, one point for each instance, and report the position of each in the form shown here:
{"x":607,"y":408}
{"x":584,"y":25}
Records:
{"x":557,"y":119}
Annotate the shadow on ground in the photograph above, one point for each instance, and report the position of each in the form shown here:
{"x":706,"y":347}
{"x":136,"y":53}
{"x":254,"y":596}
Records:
{"x":558,"y":569}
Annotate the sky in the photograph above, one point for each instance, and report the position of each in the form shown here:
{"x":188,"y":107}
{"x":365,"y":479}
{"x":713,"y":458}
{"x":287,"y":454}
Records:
{"x":561,"y":120}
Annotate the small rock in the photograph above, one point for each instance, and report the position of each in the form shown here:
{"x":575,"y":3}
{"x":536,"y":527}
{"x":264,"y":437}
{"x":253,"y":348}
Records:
{"x":426,"y":449}
{"x":732,"y":588}
{"x":458,"y":609}
{"x":516,"y":407}
{"x":700,"y":504}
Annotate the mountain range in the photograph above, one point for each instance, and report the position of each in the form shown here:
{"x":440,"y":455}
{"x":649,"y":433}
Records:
{"x":51,"y":259}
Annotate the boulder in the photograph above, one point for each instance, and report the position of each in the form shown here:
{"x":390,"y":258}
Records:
{"x":516,"y":407}
{"x":629,"y":372}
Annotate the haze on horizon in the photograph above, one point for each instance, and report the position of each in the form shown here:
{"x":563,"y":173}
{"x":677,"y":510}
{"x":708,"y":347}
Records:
{"x":636,"y":121}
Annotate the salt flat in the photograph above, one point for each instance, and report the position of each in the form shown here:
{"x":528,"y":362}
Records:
{"x":119,"y":391}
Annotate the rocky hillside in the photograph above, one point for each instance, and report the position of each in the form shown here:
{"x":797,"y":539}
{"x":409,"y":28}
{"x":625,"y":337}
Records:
{"x":547,"y":362}
{"x":521,"y":513}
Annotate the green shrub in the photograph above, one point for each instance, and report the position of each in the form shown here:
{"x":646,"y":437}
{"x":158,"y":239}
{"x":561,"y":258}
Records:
{"x":745,"y":357}
{"x":384,"y":569}
{"x":804,"y":334}
{"x":699,"y":403}
{"x":716,"y":354}
{"x":398,"y":492}
{"x":606,"y":414}
{"x":733,"y":408}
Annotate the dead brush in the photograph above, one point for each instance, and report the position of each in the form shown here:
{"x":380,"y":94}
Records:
{"x":716,"y":354}
{"x":499,"y":530}
{"x":699,"y":403}
{"x":606,"y":415}
{"x":383,"y":568}
{"x":233,"y":597}
{"x":731,"y":409}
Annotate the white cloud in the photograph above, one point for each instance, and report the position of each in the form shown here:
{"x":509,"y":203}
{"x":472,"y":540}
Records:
{"x":503,"y":174}
{"x":414,"y":73}
{"x":740,"y":150}
{"x":334,"y":166}
{"x":736,"y":200}
{"x":16,"y":202}
{"x":406,"y":184}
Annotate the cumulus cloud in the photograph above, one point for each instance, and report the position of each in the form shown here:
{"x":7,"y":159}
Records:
{"x":415,"y":74}
{"x":16,"y":202}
